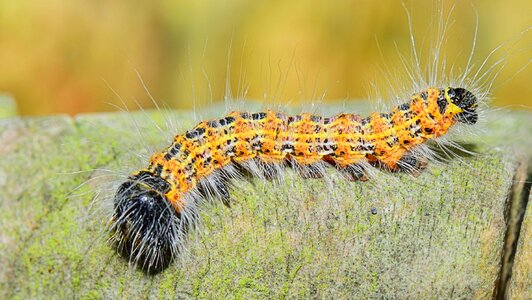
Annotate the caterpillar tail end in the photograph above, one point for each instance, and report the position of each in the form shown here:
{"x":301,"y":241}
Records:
{"x":145,"y":228}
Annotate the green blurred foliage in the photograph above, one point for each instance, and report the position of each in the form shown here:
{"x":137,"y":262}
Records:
{"x":65,"y":56}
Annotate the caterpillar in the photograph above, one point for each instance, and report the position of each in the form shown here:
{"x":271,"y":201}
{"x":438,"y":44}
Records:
{"x":156,"y":206}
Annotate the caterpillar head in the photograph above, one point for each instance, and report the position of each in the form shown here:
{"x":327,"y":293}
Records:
{"x":466,"y":101}
{"x":145,"y":226}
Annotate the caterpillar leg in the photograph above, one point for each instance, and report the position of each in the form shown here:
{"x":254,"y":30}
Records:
{"x":269,"y":171}
{"x":216,"y":187}
{"x":312,"y":171}
{"x":411,"y":164}
{"x":259,"y":168}
{"x":354,"y":172}
{"x":224,"y":196}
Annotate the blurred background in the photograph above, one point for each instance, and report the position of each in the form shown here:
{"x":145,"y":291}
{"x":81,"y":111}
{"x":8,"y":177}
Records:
{"x":64,"y":56}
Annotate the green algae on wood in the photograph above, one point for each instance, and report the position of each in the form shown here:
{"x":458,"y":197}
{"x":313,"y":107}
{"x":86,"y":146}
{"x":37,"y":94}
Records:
{"x":438,"y":235}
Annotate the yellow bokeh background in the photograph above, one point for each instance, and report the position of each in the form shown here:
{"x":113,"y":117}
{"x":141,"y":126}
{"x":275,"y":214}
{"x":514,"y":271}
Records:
{"x":64,"y":56}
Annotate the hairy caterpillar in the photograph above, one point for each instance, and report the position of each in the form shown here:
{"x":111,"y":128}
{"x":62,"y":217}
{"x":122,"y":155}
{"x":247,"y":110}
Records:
{"x":155,"y":207}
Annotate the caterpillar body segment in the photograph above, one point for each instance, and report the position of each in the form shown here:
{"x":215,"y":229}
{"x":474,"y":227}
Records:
{"x":156,"y":206}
